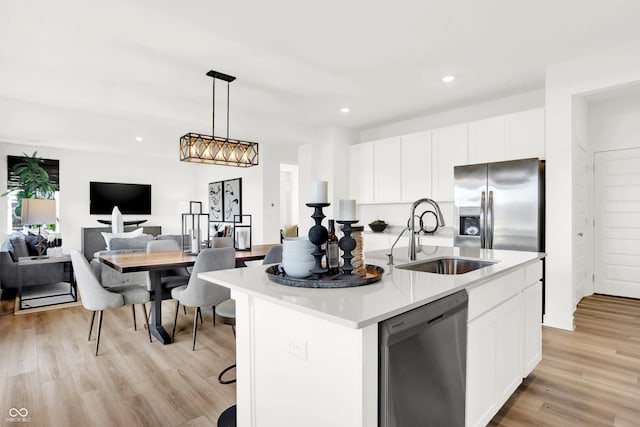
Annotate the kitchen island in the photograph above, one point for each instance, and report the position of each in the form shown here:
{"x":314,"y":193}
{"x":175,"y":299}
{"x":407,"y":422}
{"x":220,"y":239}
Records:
{"x":310,"y":356}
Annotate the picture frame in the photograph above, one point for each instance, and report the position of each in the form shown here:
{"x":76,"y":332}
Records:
{"x":216,"y":208}
{"x":225,"y":200}
{"x":232,"y":195}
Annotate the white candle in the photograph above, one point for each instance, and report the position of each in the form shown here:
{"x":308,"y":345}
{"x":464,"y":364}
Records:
{"x":319,"y":192}
{"x":348,"y":210}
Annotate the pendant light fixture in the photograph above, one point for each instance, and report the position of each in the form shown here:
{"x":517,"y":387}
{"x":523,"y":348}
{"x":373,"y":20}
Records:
{"x":195,"y":147}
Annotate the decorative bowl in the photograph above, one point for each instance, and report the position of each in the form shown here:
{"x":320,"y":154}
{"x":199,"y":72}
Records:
{"x":377,"y":227}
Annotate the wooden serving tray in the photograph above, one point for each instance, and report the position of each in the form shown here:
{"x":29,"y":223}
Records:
{"x":373,"y":274}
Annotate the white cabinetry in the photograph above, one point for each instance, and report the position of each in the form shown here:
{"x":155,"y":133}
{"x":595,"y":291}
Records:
{"x":416,"y":166}
{"x":361,"y":172}
{"x":525,"y":134}
{"x":503,"y":340}
{"x":387,"y":160}
{"x":487,"y":140}
{"x":531,"y":318}
{"x":449,"y":147}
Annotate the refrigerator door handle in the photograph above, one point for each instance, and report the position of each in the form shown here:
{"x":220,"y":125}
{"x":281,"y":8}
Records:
{"x":482,"y":224}
{"x":490,"y":220}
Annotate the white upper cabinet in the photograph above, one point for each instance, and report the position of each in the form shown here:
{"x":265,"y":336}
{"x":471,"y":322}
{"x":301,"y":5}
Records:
{"x":416,"y":166}
{"x":387,"y":161}
{"x":487,"y":140}
{"x":525,"y":134}
{"x":361,"y":172}
{"x":449,"y":149}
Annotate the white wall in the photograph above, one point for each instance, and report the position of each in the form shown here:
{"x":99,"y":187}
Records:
{"x":615,"y":124}
{"x":564,"y":81}
{"x":171,"y":181}
{"x":497,"y":107}
{"x":325,"y":159}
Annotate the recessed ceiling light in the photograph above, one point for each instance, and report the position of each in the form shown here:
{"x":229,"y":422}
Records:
{"x":139,"y":138}
{"x":345,"y":110}
{"x":448,"y":79}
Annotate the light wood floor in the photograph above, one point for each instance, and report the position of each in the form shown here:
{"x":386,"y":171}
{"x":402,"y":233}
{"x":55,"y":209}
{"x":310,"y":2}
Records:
{"x":589,"y":377}
{"x":48,"y":366}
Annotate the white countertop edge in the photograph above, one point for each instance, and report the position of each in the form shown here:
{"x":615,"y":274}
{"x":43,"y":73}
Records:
{"x":387,"y":314}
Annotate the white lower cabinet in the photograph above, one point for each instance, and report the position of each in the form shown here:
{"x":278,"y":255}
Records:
{"x":532,"y":338}
{"x":503,"y":340}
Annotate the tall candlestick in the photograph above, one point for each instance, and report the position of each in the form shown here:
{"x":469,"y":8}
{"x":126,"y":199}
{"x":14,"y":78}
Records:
{"x":319,"y":192}
{"x":347,"y":210}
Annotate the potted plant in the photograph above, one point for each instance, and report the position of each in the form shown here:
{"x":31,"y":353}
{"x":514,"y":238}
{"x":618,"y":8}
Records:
{"x":378,"y":225}
{"x":33,"y":181}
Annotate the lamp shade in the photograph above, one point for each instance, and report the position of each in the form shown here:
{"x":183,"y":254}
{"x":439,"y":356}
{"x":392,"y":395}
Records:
{"x":38,"y":211}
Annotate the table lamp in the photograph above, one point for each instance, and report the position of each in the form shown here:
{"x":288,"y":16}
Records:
{"x":38,"y":212}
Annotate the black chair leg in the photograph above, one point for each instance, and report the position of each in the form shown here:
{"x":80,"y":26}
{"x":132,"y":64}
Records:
{"x":200,"y":315}
{"x":233,"y":328}
{"x":213,"y":308}
{"x":133,"y":310}
{"x":175,"y":320}
{"x":99,"y":329}
{"x":146,"y":322}
{"x":93,"y":316}
{"x":195,"y":327}
{"x":184,"y":308}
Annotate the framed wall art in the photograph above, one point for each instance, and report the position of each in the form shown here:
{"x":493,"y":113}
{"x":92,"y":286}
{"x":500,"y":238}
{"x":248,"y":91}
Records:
{"x":225,"y":200}
{"x":232,"y":198}
{"x":216,"y":210}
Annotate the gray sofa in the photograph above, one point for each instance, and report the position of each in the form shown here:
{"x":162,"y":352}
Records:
{"x":17,"y":246}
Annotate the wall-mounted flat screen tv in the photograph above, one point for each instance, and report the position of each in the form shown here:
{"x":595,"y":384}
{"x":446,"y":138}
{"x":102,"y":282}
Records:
{"x":132,"y":199}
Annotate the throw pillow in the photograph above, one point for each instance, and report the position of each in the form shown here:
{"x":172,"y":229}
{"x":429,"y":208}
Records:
{"x":290,"y":231}
{"x":36,"y":244}
{"x":126,"y":235}
{"x":19,"y":247}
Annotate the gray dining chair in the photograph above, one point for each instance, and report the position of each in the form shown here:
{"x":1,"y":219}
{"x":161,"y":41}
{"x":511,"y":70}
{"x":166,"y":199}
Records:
{"x":96,"y":298}
{"x":199,"y":293}
{"x":170,"y":278}
{"x":225,"y":312}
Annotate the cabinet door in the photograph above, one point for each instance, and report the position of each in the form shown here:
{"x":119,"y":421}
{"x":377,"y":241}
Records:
{"x":487,"y":140}
{"x":416,"y":166}
{"x":532,"y":336}
{"x":449,"y":147}
{"x":508,"y":348}
{"x":361,"y":172}
{"x":526,"y":134}
{"x":481,"y":370}
{"x":387,"y":160}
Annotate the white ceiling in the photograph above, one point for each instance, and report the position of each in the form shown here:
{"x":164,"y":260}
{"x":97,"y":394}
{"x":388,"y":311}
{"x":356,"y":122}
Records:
{"x":82,"y":73}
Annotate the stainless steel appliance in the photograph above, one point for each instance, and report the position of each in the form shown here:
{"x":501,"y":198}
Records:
{"x":500,"y":205}
{"x":423,"y":356}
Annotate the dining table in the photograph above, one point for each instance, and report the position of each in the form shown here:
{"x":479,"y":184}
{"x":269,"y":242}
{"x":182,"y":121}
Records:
{"x":156,"y":262}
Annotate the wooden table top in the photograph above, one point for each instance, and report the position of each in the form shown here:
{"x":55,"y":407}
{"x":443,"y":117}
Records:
{"x":142,"y":261}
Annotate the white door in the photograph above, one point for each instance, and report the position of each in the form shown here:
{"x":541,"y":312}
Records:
{"x":617,"y":223}
{"x":582,"y":273}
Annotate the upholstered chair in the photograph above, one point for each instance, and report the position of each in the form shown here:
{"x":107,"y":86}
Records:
{"x":96,"y":298}
{"x":199,"y":293}
{"x":170,"y":278}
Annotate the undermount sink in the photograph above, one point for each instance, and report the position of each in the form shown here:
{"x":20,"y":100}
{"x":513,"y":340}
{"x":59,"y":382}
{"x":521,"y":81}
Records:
{"x":447,"y":265}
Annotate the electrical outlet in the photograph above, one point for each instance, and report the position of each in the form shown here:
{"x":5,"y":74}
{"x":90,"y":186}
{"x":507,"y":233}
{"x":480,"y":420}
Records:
{"x":298,"y":348}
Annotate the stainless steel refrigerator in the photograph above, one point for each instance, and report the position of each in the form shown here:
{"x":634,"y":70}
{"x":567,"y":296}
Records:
{"x":500,"y":205}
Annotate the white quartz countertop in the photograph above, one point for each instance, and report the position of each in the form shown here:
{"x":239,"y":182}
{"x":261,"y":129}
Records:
{"x":399,"y":290}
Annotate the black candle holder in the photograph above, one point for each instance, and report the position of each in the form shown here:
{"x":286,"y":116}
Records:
{"x":347,"y":244}
{"x":318,"y":235}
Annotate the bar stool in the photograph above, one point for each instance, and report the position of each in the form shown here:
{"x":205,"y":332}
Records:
{"x":228,"y":417}
{"x":226,"y":314}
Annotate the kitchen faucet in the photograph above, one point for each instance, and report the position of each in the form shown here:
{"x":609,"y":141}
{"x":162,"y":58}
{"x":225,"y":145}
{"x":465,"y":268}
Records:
{"x":412,"y":236}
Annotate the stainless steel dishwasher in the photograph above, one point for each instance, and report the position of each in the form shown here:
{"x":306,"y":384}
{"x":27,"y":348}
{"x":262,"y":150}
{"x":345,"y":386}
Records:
{"x":423,"y":357}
